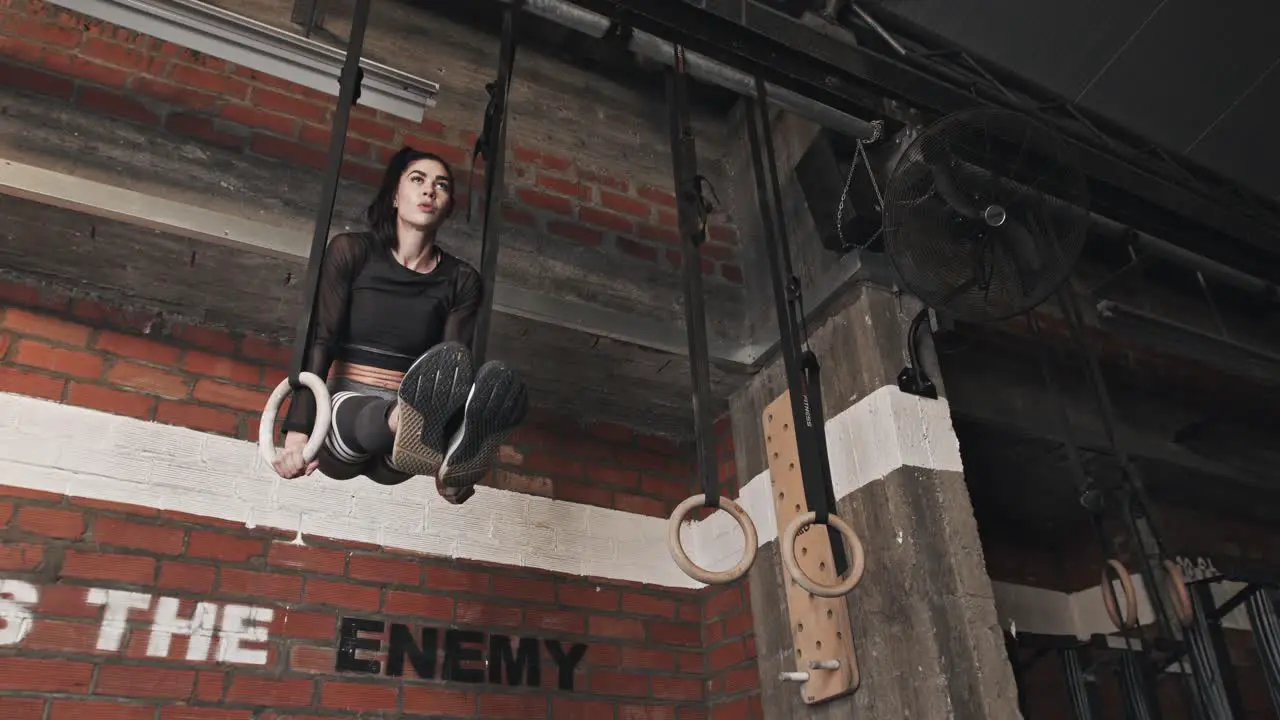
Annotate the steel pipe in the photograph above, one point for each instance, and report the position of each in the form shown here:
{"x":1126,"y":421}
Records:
{"x":569,"y":15}
{"x":704,"y":68}
{"x":1193,"y":261}
{"x":1209,"y":267}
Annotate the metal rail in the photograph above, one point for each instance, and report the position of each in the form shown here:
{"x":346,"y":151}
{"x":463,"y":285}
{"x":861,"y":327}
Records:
{"x":249,"y":43}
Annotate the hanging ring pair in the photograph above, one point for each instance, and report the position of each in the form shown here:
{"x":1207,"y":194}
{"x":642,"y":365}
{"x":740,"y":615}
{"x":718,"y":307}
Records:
{"x":1176,"y":586}
{"x":786,"y":294}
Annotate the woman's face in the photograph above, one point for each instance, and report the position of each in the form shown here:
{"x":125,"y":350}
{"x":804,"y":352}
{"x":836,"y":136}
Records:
{"x":424,"y":198}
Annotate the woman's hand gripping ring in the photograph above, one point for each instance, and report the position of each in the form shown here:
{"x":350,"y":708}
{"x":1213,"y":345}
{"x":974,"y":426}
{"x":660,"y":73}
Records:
{"x":324,"y":415}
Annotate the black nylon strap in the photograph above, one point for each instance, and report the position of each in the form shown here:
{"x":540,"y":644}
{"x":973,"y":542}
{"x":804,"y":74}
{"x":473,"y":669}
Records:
{"x":813,"y":398}
{"x":801,"y":368}
{"x":494,"y":152}
{"x":691,"y":215}
{"x":348,"y":94}
{"x":484,"y":140}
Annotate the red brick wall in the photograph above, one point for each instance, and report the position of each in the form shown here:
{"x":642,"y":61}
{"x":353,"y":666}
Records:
{"x":643,"y":660}
{"x":47,"y":50}
{"x":653,"y":652}
{"x":733,"y":678}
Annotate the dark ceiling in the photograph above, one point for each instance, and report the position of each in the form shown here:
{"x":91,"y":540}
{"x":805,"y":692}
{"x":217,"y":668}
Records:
{"x":1200,"y":79}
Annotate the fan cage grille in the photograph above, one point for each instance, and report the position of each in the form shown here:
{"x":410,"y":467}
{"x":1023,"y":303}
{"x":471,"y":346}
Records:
{"x":945,"y":199}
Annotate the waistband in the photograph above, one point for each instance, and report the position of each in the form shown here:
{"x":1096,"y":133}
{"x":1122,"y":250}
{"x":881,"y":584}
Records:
{"x":366,"y":375}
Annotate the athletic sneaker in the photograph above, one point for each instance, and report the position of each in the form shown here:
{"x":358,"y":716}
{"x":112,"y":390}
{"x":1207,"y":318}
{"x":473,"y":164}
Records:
{"x":497,"y":404}
{"x":433,"y":396}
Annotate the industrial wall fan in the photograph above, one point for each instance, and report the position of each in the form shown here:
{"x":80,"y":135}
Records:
{"x":985,"y":213}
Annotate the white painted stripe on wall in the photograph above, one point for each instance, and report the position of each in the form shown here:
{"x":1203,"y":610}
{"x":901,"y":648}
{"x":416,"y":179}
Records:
{"x":76,"y":451}
{"x":1082,"y":614}
{"x":79,"y":452}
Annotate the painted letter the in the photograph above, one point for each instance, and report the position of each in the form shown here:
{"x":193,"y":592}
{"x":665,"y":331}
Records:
{"x":199,"y":629}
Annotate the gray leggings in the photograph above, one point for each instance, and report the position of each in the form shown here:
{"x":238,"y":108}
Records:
{"x":359,"y":441}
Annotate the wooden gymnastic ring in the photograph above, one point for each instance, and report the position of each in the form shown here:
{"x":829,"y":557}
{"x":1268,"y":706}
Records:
{"x":788,"y":552}
{"x":1179,"y":597}
{"x":1130,"y":617}
{"x":319,"y":430}
{"x":691,"y":569}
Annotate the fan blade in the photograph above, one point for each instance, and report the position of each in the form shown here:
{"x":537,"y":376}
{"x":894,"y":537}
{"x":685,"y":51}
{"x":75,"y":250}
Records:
{"x":947,"y":189}
{"x":1025,"y":250}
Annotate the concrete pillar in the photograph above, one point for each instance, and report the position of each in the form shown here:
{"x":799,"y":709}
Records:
{"x":924,"y":622}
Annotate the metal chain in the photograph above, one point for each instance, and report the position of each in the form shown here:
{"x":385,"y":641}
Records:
{"x":861,"y":153}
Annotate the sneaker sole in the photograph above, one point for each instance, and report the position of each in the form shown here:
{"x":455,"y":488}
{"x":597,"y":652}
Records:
{"x":498,"y":403}
{"x":434,"y":390}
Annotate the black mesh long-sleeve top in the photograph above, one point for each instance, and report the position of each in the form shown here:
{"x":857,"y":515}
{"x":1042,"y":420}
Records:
{"x":371,"y":310}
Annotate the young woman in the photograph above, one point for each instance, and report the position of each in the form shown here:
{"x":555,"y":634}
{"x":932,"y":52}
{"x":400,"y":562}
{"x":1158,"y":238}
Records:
{"x":394,"y":322}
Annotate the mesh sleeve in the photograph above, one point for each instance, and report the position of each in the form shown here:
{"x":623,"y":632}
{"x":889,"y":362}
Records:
{"x":342,"y":259}
{"x":460,"y":325}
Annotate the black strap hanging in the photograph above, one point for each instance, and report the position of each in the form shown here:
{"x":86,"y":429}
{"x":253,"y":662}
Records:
{"x":1131,"y":492}
{"x":492,"y":146}
{"x":691,"y":213}
{"x":801,"y":367}
{"x":348,"y":94}
{"x":484,"y":141}
{"x":1095,"y":497}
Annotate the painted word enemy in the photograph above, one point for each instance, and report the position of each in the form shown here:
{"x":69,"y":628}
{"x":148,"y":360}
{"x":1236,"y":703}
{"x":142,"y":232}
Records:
{"x":523,"y":665}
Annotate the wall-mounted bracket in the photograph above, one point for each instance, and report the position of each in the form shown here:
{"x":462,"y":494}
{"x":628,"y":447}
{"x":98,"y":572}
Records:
{"x":821,"y":630}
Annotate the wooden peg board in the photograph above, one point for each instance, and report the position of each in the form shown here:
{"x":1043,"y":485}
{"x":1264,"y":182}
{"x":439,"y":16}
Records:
{"x":820,"y":627}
